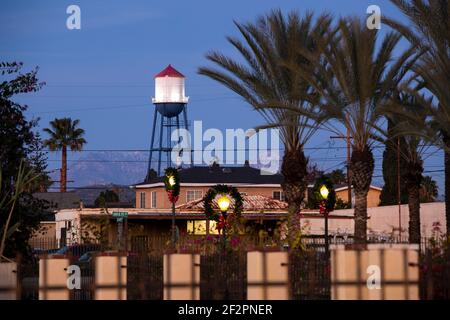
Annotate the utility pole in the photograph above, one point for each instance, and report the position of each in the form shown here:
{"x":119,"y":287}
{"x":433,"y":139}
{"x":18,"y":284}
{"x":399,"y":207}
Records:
{"x":347,"y":137}
{"x":349,"y":179}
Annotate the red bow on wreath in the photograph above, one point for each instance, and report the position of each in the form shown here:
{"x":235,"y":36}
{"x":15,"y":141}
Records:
{"x":172,"y":199}
{"x":221,"y":223}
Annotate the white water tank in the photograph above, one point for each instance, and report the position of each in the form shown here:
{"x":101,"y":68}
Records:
{"x":169,"y":87}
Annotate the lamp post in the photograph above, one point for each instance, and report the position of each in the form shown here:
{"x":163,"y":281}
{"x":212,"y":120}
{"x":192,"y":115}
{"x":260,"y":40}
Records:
{"x":323,"y":209}
{"x":172,"y":183}
{"x":223,"y":203}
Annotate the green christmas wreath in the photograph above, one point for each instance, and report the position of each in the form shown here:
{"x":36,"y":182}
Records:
{"x":224,"y":190}
{"x":317,"y":197}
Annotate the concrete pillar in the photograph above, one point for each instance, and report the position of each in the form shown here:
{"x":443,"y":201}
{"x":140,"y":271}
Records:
{"x":267,"y":275}
{"x":110,"y":276}
{"x":181,"y":276}
{"x":379,"y":272}
{"x":53,"y":278}
{"x":8,"y":281}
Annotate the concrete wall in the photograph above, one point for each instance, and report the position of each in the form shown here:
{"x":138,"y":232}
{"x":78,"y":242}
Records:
{"x":62,"y":217}
{"x":383,"y":220}
{"x":47,"y":229}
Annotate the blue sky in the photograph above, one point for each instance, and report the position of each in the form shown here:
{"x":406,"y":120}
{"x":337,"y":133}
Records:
{"x":103,"y":73}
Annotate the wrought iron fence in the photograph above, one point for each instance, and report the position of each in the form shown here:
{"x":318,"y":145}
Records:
{"x":223,"y":276}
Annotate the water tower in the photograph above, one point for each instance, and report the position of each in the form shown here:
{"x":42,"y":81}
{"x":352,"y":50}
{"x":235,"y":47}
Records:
{"x":170,"y":105}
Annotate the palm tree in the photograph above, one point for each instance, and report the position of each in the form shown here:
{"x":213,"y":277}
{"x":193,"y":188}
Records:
{"x":355,"y":79}
{"x":412,"y":150}
{"x":430,"y":31}
{"x":267,"y":82}
{"x":64,"y":133}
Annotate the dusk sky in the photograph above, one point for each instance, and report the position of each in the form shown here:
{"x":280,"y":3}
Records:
{"x":103,"y":73}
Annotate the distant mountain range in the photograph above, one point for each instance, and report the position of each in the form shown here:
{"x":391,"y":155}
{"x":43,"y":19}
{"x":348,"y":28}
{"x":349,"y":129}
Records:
{"x":101,"y":168}
{"x":93,"y":172}
{"x":88,"y":194}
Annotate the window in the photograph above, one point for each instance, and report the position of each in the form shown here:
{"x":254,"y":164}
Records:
{"x":142,"y":200}
{"x":153,"y":199}
{"x":279,"y":195}
{"x":198,"y":227}
{"x":192,"y":195}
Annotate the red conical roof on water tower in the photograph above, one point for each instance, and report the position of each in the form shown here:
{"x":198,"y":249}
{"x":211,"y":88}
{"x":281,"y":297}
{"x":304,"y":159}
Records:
{"x":170,"y":71}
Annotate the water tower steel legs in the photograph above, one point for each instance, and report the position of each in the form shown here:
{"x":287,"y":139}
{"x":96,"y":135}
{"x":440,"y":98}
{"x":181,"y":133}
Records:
{"x":151,"y":144}
{"x":160,"y":146}
{"x":168,"y":141}
{"x":187,"y":128}
{"x":177,"y":121}
{"x":170,"y":122}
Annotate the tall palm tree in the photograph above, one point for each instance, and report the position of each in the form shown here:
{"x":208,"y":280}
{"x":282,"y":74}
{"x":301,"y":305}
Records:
{"x":412,"y":149}
{"x":64,"y":133}
{"x":267,"y":82}
{"x":355,"y":77}
{"x":429,"y":30}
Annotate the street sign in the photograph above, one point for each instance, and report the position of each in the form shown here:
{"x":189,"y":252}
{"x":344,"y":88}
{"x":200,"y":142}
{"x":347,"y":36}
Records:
{"x":120,"y":214}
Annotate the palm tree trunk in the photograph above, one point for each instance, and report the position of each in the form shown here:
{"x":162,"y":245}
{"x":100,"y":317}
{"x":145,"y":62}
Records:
{"x":413,"y":181}
{"x":414,"y":214}
{"x":63,"y":182}
{"x":362,"y":165}
{"x":447,"y":183}
{"x":294,"y":187}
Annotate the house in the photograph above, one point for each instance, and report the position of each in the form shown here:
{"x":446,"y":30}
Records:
{"x":373,"y":197}
{"x":45,"y":236}
{"x":260,"y":212}
{"x":196,"y":181}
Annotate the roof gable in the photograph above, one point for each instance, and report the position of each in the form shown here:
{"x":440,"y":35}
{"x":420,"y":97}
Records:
{"x":223,"y":175}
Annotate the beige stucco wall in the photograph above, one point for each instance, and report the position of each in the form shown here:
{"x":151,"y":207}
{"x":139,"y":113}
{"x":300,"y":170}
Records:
{"x":373,"y":197}
{"x":383,"y":219}
{"x":46,"y":230}
{"x":162,"y":202}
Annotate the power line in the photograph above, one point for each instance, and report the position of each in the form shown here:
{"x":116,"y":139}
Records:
{"x":197,"y":150}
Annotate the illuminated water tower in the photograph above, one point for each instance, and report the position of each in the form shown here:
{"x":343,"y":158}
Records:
{"x":170,"y":105}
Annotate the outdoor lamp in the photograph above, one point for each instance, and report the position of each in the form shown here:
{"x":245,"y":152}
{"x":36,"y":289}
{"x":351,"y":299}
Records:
{"x":324,"y":192}
{"x":224,"y":203}
{"x":171,"y":181}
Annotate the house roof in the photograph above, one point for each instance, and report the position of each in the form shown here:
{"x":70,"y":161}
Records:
{"x":169,"y":71}
{"x":216,"y":174}
{"x":251,"y":203}
{"x":59,"y":200}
